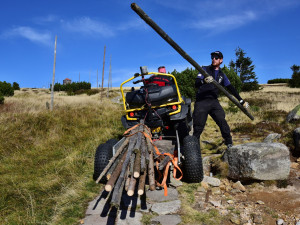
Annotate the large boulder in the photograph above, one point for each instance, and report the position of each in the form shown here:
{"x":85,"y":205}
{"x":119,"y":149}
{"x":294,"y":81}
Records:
{"x":296,"y":137}
{"x":294,"y":114}
{"x":258,"y":161}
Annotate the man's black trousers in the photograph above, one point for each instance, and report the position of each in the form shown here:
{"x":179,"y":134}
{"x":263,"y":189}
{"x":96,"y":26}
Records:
{"x":213,"y":108}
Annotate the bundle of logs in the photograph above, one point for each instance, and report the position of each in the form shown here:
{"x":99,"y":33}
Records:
{"x":129,"y":167}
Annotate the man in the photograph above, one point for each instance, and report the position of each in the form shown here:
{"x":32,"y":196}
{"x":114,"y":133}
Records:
{"x":207,"y":99}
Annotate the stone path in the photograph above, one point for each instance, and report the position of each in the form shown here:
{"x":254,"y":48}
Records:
{"x":161,"y":209}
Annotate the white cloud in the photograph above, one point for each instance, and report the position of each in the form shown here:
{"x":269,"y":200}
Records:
{"x":87,"y":26}
{"x":227,"y":22}
{"x":30,"y":34}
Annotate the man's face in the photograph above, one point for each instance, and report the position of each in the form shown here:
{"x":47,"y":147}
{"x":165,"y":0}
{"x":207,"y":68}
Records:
{"x":216,"y":60}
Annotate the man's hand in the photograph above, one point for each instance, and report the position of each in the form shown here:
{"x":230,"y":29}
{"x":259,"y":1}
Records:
{"x":244,"y":104}
{"x":208,"y":79}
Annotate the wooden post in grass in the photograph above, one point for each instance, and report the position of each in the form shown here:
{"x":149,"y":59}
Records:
{"x":53,"y":77}
{"x":109,"y":77}
{"x":97,"y":79}
{"x":103,"y":71}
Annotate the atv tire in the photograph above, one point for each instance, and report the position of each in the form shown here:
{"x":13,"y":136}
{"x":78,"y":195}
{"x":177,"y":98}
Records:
{"x":192,"y":162}
{"x":102,"y":157}
{"x":112,"y":142}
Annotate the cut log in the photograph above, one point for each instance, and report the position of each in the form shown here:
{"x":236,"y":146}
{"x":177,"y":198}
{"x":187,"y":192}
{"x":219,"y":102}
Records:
{"x":142,"y":180}
{"x":111,"y":182}
{"x":143,"y":155}
{"x":131,"y":166}
{"x":139,"y":136}
{"x":131,"y":187}
{"x":118,"y":191}
{"x":113,"y":167}
{"x":137,"y":164}
{"x":119,"y":151}
{"x":151,"y":173}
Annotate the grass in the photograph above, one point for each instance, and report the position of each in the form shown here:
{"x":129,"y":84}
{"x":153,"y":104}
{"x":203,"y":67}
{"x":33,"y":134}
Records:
{"x":46,"y":158}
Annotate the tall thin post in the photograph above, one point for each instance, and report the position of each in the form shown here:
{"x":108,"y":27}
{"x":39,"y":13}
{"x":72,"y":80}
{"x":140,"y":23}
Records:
{"x":53,"y":77}
{"x":97,"y":79}
{"x":103,"y":69}
{"x":109,"y":77}
{"x":90,"y":79}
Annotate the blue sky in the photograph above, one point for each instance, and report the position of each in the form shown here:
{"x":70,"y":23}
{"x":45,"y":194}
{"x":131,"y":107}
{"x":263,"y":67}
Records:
{"x":268,"y":31}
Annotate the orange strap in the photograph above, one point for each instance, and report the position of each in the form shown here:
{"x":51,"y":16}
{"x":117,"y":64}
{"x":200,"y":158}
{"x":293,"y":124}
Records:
{"x":173,"y":159}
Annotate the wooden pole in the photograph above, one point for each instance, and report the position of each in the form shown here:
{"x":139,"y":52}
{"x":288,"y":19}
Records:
{"x":109,"y":77}
{"x":103,"y":69}
{"x":124,"y":144}
{"x":97,"y":79}
{"x":53,"y":77}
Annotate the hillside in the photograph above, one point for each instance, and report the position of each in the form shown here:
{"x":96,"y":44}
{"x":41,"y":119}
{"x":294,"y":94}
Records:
{"x":46,"y":158}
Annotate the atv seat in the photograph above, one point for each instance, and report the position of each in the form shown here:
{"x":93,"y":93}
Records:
{"x":157,"y":95}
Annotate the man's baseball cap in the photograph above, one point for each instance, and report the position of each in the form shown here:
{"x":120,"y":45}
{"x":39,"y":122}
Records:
{"x":217,"y":53}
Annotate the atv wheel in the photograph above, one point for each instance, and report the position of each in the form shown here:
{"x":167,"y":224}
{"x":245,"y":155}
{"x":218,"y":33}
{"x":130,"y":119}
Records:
{"x":112,"y":142}
{"x":192,"y":163}
{"x":102,"y":157}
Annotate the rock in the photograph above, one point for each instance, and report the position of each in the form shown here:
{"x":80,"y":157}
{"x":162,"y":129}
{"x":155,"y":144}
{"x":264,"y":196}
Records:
{"x":258,"y":161}
{"x":272,"y":137}
{"x":175,"y":183}
{"x":238,"y":185}
{"x":280,"y":222}
{"x":215,"y":203}
{"x":216,"y":191}
{"x":298,"y":223}
{"x":294,"y":114}
{"x":132,"y":220}
{"x":257,"y":218}
{"x":215,"y":182}
{"x":167,"y":219}
{"x":260,"y":202}
{"x":164,"y":208}
{"x":158,"y":195}
{"x":296,"y":137}
{"x":204,"y":185}
{"x":201,"y":189}
{"x":235,"y":220}
{"x":294,"y":165}
{"x":230,"y":202}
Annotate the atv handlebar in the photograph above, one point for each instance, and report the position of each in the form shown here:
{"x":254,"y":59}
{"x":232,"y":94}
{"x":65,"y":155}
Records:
{"x":163,"y":34}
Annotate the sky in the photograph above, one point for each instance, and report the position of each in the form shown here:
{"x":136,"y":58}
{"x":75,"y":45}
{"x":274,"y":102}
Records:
{"x":267,"y":30}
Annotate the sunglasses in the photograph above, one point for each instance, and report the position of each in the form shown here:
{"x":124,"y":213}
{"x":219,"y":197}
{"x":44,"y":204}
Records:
{"x":215,"y":56}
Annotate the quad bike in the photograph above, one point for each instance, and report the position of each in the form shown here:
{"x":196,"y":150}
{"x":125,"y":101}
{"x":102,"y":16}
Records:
{"x":167,"y":113}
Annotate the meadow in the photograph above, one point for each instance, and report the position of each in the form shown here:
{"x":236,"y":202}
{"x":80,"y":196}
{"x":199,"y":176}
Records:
{"x":46,"y":158}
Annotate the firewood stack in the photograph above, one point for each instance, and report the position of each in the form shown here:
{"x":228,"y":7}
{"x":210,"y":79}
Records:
{"x":130,"y":165}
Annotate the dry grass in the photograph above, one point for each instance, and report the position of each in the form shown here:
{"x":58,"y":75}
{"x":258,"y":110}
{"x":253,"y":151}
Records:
{"x":46,"y":158}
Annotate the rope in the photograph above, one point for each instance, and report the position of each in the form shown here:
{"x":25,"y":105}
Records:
{"x":173,"y":158}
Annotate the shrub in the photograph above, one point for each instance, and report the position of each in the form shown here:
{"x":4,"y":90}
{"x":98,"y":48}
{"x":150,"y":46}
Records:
{"x":295,"y":81}
{"x":1,"y":99}
{"x":73,"y":87}
{"x":279,"y":80}
{"x":233,"y":77}
{"x":16,"y":86}
{"x":186,"y":82}
{"x":92,"y":92}
{"x":6,"y":89}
